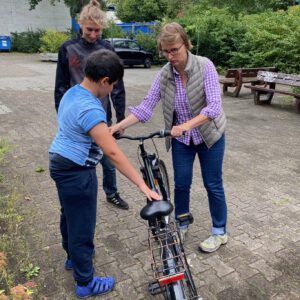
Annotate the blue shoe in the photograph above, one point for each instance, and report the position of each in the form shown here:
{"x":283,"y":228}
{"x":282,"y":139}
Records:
{"x":97,"y":286}
{"x":68,"y":263}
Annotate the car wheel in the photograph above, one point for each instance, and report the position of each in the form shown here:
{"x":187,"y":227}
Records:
{"x":147,"y":63}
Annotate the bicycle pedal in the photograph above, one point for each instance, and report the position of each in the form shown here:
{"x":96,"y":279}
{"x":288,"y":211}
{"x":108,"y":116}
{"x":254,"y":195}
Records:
{"x":154,"y":288}
{"x":185,"y":219}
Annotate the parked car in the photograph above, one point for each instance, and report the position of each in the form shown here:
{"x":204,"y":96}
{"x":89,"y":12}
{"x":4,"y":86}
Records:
{"x":131,"y":53}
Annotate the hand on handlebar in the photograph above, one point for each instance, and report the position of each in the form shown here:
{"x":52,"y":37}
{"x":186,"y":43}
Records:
{"x":178,"y":131}
{"x":116,"y":129}
{"x":151,"y":195}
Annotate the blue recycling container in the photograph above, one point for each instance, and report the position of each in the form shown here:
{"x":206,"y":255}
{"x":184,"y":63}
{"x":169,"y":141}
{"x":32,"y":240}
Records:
{"x":5,"y":43}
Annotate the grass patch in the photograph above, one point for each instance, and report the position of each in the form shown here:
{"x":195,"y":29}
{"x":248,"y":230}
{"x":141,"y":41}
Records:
{"x":4,"y":149}
{"x":285,"y":101}
{"x":16,"y":266}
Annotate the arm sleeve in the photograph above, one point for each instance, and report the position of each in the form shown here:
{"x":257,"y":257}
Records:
{"x":144,"y":111}
{"x":212,"y":92}
{"x":62,"y":79}
{"x":118,"y":97}
{"x":91,"y":117}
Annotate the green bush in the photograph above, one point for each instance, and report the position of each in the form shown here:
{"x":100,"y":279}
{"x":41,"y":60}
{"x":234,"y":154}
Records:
{"x":52,"y":40}
{"x":148,"y":42}
{"x":27,"y":41}
{"x":213,"y":32}
{"x":272,"y":39}
{"x":113,"y":31}
{"x":265,"y":39}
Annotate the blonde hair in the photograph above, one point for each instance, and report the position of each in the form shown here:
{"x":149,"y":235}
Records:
{"x":93,"y":12}
{"x":171,"y":33}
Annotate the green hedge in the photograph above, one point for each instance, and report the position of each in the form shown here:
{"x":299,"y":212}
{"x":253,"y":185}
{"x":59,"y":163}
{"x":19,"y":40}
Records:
{"x":271,"y":39}
{"x":266,"y":39}
{"x":214,"y":33}
{"x":27,"y":41}
{"x":149,"y":43}
{"x":52,"y":40}
{"x":113,"y":31}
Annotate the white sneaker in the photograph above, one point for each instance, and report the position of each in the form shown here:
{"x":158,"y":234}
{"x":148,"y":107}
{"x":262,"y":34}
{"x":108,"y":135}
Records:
{"x":213,"y":243}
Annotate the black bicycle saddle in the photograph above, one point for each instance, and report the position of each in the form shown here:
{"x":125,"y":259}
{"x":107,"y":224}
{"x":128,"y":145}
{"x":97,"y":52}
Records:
{"x":155,"y":209}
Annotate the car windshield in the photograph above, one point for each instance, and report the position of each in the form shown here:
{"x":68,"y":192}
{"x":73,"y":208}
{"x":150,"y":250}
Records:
{"x":120,"y":44}
{"x":133,"y":45}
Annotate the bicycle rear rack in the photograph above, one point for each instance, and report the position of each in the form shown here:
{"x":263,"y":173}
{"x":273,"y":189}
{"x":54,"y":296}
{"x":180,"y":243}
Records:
{"x":167,"y":257}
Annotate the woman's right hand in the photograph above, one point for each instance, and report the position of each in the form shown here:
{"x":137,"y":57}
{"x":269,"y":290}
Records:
{"x":151,"y":195}
{"x":116,"y":128}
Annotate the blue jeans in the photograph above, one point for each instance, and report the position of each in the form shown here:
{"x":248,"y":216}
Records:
{"x":77,"y":191}
{"x":211,"y":161}
{"x":109,"y":182}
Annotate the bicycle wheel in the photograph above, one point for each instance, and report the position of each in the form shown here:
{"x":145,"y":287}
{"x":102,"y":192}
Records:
{"x":173,"y":290}
{"x":182,"y":290}
{"x":187,"y":284}
{"x":162,"y":181}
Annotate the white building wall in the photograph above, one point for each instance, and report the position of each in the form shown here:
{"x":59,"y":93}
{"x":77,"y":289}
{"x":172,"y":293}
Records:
{"x":15,"y":16}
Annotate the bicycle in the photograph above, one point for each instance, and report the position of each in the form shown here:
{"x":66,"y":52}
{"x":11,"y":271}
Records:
{"x":172,"y":274}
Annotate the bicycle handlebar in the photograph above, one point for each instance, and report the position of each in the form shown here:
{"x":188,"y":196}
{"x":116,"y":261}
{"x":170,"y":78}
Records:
{"x":159,"y":134}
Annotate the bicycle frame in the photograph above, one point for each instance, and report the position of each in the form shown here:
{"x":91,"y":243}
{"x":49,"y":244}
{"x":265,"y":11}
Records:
{"x":168,"y":259}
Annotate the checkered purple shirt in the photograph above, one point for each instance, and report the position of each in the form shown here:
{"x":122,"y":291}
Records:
{"x":144,"y":111}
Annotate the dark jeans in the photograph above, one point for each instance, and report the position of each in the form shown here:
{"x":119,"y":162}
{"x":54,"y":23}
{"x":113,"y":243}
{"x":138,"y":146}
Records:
{"x":211,"y":161}
{"x":77,"y":191}
{"x":109,"y":176}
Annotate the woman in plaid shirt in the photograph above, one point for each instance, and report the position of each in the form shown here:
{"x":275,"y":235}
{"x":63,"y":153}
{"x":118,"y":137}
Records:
{"x":189,"y":89}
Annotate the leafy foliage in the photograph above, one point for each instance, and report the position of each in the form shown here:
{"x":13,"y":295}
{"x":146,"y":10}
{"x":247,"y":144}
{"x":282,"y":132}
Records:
{"x":4,"y":148}
{"x":213,"y":32}
{"x":148,"y":43}
{"x":141,"y":10}
{"x":113,"y":31}
{"x":74,"y":5}
{"x":237,"y":7}
{"x":52,"y":40}
{"x":40,"y":169}
{"x":271,"y":39}
{"x":27,"y":41}
{"x":265,"y":39}
{"x":30,"y":271}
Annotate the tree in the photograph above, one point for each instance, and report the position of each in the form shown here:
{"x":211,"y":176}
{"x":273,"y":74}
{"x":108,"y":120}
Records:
{"x":141,"y":10}
{"x":249,"y":6}
{"x":74,"y":5}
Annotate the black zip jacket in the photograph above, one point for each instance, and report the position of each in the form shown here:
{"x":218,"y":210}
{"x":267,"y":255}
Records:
{"x":70,"y":71}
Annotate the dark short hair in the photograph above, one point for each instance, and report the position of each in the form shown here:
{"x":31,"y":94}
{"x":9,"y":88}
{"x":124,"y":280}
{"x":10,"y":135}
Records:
{"x":104,"y":63}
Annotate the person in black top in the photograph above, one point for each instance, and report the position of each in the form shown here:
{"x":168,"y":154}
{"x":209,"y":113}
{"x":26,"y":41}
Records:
{"x":72,"y":58}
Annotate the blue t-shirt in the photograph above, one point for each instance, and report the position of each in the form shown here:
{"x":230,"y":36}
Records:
{"x":79,"y":111}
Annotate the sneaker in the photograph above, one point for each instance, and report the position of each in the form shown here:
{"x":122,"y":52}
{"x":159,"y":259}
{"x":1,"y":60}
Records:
{"x":183,"y":233}
{"x":97,"y":286}
{"x":69,"y":265}
{"x":117,"y":201}
{"x":213,"y":243}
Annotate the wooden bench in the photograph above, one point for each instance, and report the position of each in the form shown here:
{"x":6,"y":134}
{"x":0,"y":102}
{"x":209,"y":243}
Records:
{"x":270,"y":79}
{"x":234,"y":79}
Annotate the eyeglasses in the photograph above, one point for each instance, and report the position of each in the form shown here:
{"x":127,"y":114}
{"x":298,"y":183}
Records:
{"x":172,"y":51}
